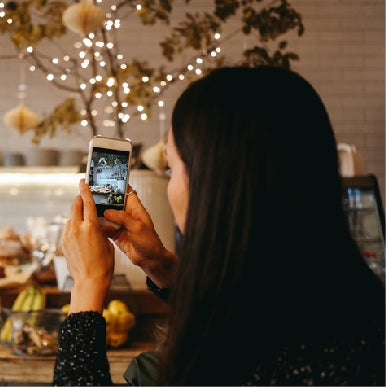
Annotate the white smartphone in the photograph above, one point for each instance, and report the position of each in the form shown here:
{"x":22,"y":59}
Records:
{"x":107,"y":174}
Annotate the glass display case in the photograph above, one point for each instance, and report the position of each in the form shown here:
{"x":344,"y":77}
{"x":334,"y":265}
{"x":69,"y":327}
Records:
{"x":366,"y":219}
{"x":33,"y":198}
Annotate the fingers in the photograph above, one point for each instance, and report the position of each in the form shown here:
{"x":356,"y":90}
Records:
{"x":89,"y":207}
{"x":77,"y":209}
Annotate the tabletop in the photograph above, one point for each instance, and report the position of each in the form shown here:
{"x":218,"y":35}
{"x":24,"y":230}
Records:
{"x":38,"y":370}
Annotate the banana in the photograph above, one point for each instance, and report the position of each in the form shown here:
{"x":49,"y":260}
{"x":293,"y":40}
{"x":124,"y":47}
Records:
{"x":5,"y":335}
{"x":38,"y":300}
{"x":20,"y":300}
{"x":30,"y":298}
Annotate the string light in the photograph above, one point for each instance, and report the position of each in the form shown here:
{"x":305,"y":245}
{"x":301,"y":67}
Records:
{"x":92,"y":48}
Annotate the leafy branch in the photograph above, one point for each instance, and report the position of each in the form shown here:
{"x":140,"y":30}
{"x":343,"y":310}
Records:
{"x":131,"y":83}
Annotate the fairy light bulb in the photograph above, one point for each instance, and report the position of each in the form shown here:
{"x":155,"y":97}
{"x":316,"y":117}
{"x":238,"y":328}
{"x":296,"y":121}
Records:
{"x":143,"y":116}
{"x":50,"y":77}
{"x":110,"y":82}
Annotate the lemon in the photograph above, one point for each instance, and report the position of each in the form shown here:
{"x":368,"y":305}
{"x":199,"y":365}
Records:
{"x":117,"y":307}
{"x":116,"y":340}
{"x":66,"y":308}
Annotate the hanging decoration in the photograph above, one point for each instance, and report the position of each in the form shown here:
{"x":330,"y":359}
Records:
{"x":21,"y":117}
{"x":83,"y":18}
{"x":114,"y":89}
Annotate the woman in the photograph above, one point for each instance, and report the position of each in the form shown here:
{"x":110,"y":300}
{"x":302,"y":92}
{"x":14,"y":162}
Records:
{"x":269,"y":287}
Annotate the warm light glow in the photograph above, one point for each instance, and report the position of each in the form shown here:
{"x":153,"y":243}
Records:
{"x":36,"y":177}
{"x":110,"y":82}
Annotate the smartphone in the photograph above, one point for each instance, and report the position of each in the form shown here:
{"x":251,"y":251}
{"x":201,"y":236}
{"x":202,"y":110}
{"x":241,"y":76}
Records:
{"x":107,"y":174}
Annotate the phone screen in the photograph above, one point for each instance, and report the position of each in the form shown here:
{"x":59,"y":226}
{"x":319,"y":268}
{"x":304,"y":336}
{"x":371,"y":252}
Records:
{"x":109,"y":170}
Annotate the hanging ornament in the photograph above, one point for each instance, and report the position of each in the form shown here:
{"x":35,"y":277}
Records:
{"x":21,"y":118}
{"x":83,"y":18}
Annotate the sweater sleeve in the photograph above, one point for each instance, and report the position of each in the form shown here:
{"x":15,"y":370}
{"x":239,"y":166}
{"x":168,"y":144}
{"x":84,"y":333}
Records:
{"x":81,"y":359}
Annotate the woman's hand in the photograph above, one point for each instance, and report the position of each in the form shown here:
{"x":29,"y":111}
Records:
{"x":89,"y":254}
{"x":141,"y":243}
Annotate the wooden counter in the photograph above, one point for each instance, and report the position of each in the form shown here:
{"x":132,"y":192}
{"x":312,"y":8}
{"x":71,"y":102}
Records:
{"x":149,"y":309}
{"x":25,"y":370}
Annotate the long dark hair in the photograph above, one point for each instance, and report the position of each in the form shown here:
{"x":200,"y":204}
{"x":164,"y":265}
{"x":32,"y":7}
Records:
{"x":267,"y":257}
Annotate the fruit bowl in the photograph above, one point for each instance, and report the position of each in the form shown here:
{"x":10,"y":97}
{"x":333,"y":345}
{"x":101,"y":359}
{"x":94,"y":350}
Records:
{"x":34,"y":332}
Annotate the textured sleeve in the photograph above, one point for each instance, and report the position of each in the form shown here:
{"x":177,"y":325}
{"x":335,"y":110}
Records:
{"x":81,"y":358}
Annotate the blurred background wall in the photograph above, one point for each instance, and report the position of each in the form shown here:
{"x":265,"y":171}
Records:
{"x":342,"y":53}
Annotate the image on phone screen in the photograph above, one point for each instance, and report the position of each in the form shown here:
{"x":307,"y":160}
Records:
{"x":108,"y":178}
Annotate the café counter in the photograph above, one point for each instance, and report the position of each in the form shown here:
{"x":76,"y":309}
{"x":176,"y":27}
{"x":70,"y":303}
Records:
{"x":23,"y":371}
{"x":38,"y":370}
